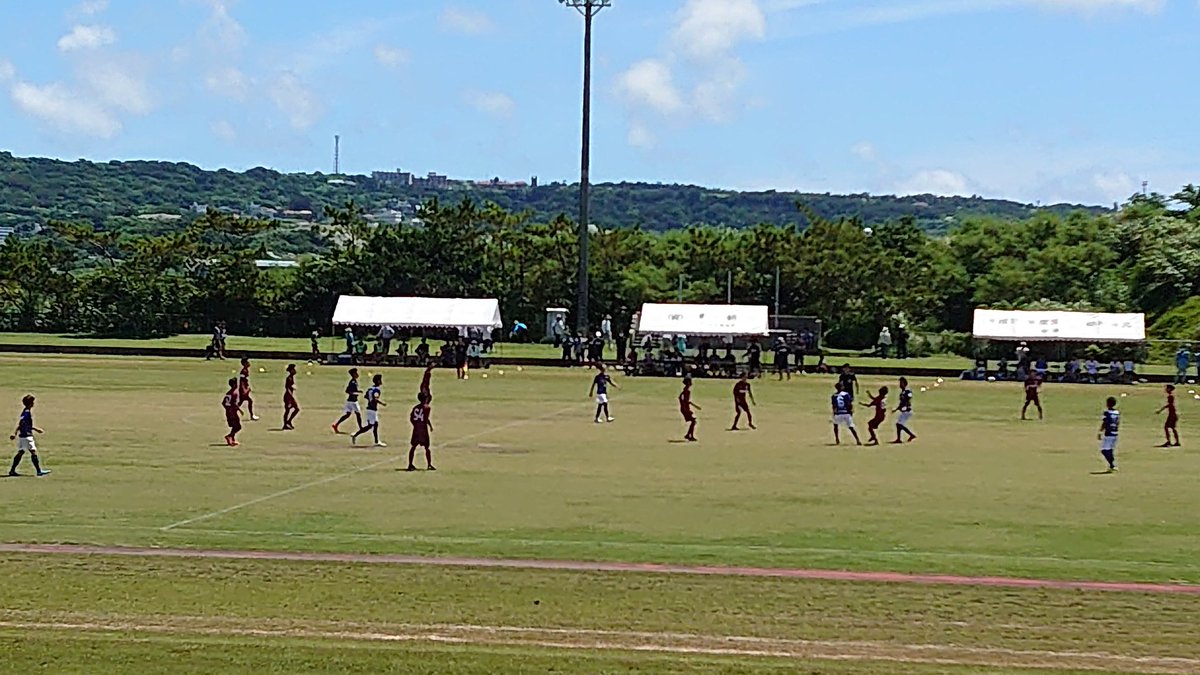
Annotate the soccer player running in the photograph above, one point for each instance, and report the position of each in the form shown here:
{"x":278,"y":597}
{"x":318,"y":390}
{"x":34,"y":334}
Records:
{"x":879,"y":404}
{"x":686,"y":407}
{"x":906,"y":412}
{"x":843,"y":414}
{"x":23,"y":435}
{"x":244,"y":389}
{"x":422,"y":424}
{"x":233,"y":412}
{"x":291,"y":407}
{"x":599,"y":389}
{"x":1171,"y":426}
{"x":1110,"y":424}
{"x":741,"y":392}
{"x":374,"y":398}
{"x":352,"y":407}
{"x":1032,"y":383}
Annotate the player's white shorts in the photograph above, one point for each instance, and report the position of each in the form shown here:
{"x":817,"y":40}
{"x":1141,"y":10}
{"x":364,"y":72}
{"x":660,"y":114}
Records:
{"x":601,"y":399}
{"x":903,"y":418}
{"x":844,"y":421}
{"x":26,"y":444}
{"x":1108,"y":443}
{"x":372,"y":417}
{"x":352,"y":407}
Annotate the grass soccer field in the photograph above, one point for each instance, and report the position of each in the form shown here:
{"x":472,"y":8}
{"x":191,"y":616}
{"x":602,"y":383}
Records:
{"x":525,"y":476}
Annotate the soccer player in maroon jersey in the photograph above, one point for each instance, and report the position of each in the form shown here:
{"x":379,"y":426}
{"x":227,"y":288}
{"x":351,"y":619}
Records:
{"x":291,"y":407}
{"x":422,"y":424}
{"x":686,"y":406}
{"x":879,"y":404}
{"x":425,"y":380}
{"x":741,"y":391}
{"x":1171,"y":426}
{"x":233,"y":412}
{"x":1032,"y":383}
{"x":244,"y":389}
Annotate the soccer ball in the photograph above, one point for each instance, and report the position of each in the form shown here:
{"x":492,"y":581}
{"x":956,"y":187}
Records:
{"x":262,"y":370}
{"x":991,"y":378}
{"x":1124,"y":395}
{"x":485,"y":376}
{"x":520,"y":369}
{"x":924,"y":388}
{"x":501,"y":372}
{"x":940,"y":380}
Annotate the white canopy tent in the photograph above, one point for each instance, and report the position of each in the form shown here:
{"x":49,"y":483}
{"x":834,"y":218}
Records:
{"x":1055,"y":326}
{"x":460,"y":313}
{"x":704,"y":320}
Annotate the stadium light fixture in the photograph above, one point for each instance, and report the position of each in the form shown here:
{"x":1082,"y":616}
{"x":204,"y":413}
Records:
{"x":588,"y":9}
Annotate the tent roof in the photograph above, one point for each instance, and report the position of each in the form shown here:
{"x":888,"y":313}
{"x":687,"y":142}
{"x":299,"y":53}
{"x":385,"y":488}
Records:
{"x":1056,"y":326}
{"x":704,"y":319}
{"x":460,"y":313}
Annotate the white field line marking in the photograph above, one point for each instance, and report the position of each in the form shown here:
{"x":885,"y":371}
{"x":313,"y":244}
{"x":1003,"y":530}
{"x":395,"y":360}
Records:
{"x":602,"y":543}
{"x":355,"y":472}
{"x":638,"y":641}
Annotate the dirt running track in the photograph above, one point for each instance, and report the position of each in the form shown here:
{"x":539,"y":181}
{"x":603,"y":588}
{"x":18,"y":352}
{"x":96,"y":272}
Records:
{"x":582,"y":566}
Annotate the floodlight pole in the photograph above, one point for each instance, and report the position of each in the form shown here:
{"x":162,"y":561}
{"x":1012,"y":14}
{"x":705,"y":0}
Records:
{"x":589,"y":9}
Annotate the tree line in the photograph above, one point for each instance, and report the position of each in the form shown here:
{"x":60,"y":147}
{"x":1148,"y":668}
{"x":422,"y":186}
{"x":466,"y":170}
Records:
{"x":77,"y":277}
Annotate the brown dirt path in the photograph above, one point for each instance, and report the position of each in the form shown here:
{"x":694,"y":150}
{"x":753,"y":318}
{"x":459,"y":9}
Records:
{"x":584,"y":566}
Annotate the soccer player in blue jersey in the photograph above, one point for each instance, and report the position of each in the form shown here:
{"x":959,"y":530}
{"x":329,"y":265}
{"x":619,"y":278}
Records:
{"x":906,"y":412}
{"x":352,"y":407}
{"x":1110,"y":424}
{"x":843,"y":414}
{"x":599,"y":389}
{"x":23,"y":435}
{"x":374,"y":397}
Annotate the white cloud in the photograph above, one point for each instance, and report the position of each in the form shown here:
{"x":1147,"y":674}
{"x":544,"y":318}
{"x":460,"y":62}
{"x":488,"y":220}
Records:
{"x":465,"y":21}
{"x":89,"y":8}
{"x":640,"y":137}
{"x":7,"y":70}
{"x":87,"y":37}
{"x":710,"y":29}
{"x":1114,"y":185}
{"x":117,"y":87}
{"x":221,"y":32}
{"x":649,"y":83}
{"x":223,"y":130}
{"x":940,"y":182}
{"x":295,"y":100}
{"x":392,"y":57}
{"x":700,"y":73}
{"x":1094,"y":6}
{"x":495,"y":103}
{"x":65,"y":110}
{"x":865,"y":151}
{"x":230,"y":82}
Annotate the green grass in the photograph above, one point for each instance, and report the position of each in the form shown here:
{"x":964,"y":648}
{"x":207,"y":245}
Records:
{"x":308,"y":617}
{"x":135,"y":445}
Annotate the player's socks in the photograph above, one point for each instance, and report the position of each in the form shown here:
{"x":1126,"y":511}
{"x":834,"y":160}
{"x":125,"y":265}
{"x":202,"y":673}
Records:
{"x":1110,"y":458}
{"x":37,"y":465}
{"x":16,"y":462}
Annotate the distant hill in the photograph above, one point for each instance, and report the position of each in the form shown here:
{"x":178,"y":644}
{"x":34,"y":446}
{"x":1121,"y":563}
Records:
{"x":114,"y":194}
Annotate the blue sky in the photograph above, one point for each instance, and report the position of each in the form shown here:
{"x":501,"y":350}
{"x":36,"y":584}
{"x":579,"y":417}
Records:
{"x":1036,"y":100}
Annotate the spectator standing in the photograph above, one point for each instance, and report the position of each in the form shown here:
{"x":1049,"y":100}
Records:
{"x":1092,"y":366}
{"x":1183,"y":359}
{"x":559,"y":330}
{"x":622,"y":341}
{"x":606,"y":331}
{"x":884,"y":342}
{"x":754,"y":358}
{"x":597,"y":348}
{"x":315,"y":343}
{"x":519,"y":333}
{"x":349,"y":340}
{"x":386,"y":333}
{"x":566,"y":349}
{"x":1130,"y":370}
{"x":901,"y":341}
{"x":1114,"y":370}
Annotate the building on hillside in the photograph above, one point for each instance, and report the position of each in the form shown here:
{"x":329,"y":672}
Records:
{"x":433,"y":180}
{"x":397,"y":177}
